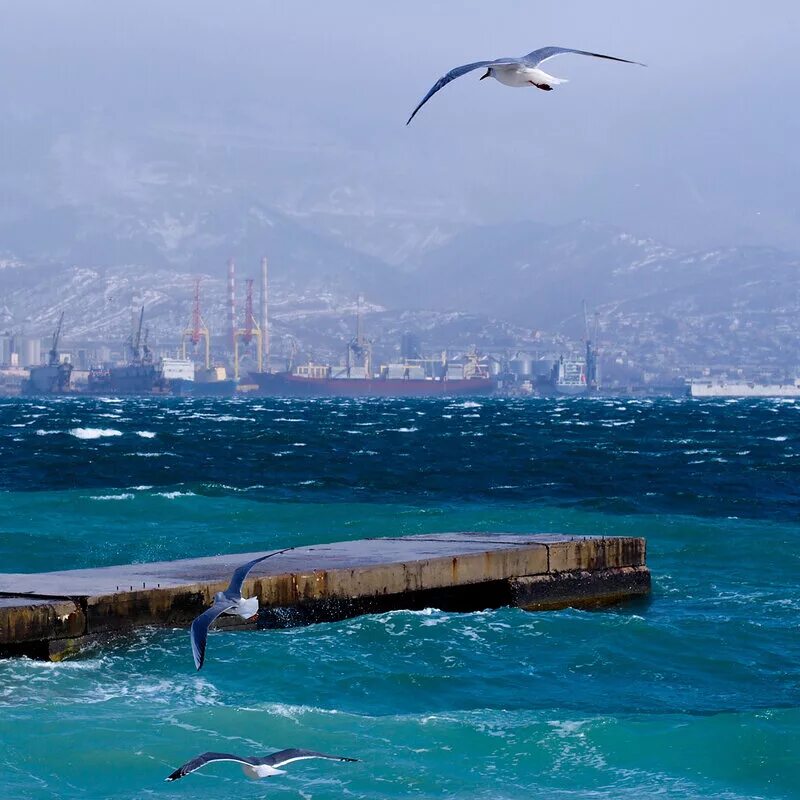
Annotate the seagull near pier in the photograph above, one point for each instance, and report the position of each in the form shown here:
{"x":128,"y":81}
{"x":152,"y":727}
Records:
{"x":517,"y":72}
{"x":228,"y":602}
{"x":254,"y":768}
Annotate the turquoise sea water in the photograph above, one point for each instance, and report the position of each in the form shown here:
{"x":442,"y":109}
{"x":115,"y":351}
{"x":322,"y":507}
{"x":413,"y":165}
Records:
{"x":695,"y":693}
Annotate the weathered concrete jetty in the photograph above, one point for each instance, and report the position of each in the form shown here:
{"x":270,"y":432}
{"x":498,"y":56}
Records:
{"x":49,"y":615}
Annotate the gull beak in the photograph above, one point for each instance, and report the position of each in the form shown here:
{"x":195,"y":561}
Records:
{"x":488,"y":73}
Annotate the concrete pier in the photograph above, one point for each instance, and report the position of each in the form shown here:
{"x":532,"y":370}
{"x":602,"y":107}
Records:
{"x":48,"y":615}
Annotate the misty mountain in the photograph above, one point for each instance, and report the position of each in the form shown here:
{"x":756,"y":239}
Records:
{"x":454,"y":283}
{"x":537,"y":275}
{"x":196,"y":235}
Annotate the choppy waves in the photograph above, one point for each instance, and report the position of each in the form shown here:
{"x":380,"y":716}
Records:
{"x":692,"y":694}
{"x":715,"y":458}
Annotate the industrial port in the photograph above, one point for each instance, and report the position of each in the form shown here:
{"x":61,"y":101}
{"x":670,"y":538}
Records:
{"x":239,"y":360}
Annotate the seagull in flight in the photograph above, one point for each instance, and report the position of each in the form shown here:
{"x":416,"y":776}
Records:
{"x":228,"y":602}
{"x":254,"y":768}
{"x":523,"y":71}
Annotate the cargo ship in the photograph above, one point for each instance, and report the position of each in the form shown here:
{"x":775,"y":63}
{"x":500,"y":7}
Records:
{"x":576,"y":377}
{"x":168,"y":376}
{"x":721,"y":388}
{"x":394,"y":380}
{"x":212,"y":382}
{"x":53,"y":377}
{"x":413,"y":377}
{"x":143,"y":375}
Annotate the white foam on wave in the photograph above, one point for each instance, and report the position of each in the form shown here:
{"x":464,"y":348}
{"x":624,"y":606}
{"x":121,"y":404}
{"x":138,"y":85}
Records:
{"x":123,"y":496}
{"x":175,"y":495}
{"x":777,"y":438}
{"x":146,"y":434}
{"x":412,"y":429}
{"x":94,"y":433}
{"x":42,"y":432}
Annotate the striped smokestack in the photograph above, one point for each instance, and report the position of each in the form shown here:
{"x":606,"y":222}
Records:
{"x":231,"y":303}
{"x":264,"y":316}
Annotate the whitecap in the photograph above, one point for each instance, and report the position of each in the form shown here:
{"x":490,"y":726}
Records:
{"x":146,"y":434}
{"x":174,"y":495}
{"x":94,"y":433}
{"x":123,"y":496}
{"x":42,"y":432}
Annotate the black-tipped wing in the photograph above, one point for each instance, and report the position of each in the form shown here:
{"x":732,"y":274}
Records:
{"x":286,"y":756}
{"x":199,"y":632}
{"x":536,"y":57}
{"x":240,"y":573}
{"x":207,"y":758}
{"x":457,"y":73}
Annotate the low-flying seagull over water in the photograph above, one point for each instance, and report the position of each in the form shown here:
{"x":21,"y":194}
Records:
{"x":228,"y":602}
{"x":523,"y":71}
{"x":254,"y":768}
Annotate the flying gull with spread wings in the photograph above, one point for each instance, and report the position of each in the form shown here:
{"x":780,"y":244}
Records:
{"x":254,"y":768}
{"x":228,"y":602}
{"x":523,"y":71}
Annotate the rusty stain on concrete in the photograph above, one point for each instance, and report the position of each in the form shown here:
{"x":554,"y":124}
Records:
{"x":47,"y":614}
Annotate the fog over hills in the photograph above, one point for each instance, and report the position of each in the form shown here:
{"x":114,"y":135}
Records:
{"x":143,"y":145}
{"x":496,"y":286}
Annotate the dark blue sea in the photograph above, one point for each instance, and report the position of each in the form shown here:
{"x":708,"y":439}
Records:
{"x":692,"y":694}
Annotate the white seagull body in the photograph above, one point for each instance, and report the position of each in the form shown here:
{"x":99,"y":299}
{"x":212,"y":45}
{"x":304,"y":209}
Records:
{"x":228,"y":602}
{"x":254,"y":767}
{"x":516,"y":72}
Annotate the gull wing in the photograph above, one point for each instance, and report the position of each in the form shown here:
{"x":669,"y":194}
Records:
{"x":536,"y":57}
{"x":206,"y":758}
{"x":293,"y":754}
{"x":199,"y":632}
{"x":457,"y":72}
{"x":240,"y":573}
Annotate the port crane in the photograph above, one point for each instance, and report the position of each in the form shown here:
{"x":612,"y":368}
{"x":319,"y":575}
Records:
{"x":197,"y":330}
{"x":360,"y":348}
{"x":53,"y":359}
{"x":248,"y":333}
{"x":590,"y":338}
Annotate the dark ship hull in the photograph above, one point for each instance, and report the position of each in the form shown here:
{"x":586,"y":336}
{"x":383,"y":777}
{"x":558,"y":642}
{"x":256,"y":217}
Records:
{"x":223,"y":388}
{"x":51,"y":379}
{"x":131,"y":379}
{"x":284,"y":384}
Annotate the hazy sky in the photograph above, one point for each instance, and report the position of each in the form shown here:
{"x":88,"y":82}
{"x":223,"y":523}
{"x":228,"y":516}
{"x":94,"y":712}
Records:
{"x":304,"y":104}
